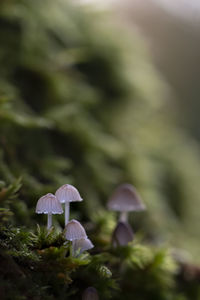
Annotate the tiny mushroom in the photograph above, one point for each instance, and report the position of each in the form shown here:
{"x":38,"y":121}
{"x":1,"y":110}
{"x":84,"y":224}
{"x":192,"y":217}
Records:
{"x":67,"y":193}
{"x":122,"y":235}
{"x":74,"y":231}
{"x":125,"y":199}
{"x":90,"y":294}
{"x":82,"y":245}
{"x":49,"y":204}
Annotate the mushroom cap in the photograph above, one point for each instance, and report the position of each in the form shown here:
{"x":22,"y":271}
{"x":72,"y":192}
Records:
{"x":74,"y":231}
{"x":90,"y":294}
{"x":48,"y":204}
{"x":68,"y":193}
{"x":125,"y":198}
{"x":83,"y":245}
{"x":122,"y":235}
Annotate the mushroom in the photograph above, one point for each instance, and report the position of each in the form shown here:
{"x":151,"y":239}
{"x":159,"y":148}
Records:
{"x":74,"y":231}
{"x":122,"y":235}
{"x":125,"y":199}
{"x":49,"y":204}
{"x":65,"y":194}
{"x":90,"y":294}
{"x":83,"y":245}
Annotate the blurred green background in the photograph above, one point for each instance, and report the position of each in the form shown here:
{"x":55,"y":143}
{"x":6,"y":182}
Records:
{"x":81,"y":102}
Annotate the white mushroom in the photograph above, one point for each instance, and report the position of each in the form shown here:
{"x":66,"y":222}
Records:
{"x":82,"y":245}
{"x":125,"y":199}
{"x":48,"y":204}
{"x":67,"y":193}
{"x":74,"y":231}
{"x":122,"y":235}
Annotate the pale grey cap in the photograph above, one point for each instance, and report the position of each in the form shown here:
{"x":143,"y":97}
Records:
{"x":68,"y":193}
{"x":125,"y":198}
{"x":83,"y":245}
{"x":122,"y":235}
{"x":90,"y":294}
{"x":74,"y":231}
{"x":48,"y":204}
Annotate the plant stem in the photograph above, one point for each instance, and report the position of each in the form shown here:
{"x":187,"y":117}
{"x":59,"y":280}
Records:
{"x":49,"y":221}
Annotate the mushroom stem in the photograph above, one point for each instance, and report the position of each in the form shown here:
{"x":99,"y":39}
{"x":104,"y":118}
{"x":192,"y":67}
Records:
{"x":123,"y":217}
{"x":73,"y":248}
{"x":49,"y":221}
{"x":66,"y":212}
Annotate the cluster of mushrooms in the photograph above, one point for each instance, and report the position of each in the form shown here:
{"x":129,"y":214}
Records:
{"x":52,"y":204}
{"x":124,"y":200}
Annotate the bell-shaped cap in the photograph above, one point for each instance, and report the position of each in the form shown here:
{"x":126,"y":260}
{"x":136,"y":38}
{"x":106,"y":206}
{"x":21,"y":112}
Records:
{"x":48,"y":204}
{"x":122,"y":235}
{"x":83,"y":245}
{"x":125,"y":198}
{"x":74,"y":231}
{"x":68,"y":193}
{"x":90,"y":294}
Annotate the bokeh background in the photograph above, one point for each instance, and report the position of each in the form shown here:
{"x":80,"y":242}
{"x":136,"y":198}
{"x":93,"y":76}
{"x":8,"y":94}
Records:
{"x":97,"y":94}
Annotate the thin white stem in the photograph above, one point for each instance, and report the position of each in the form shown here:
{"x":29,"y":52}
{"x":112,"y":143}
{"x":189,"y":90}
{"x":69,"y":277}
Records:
{"x":67,"y":204}
{"x":123,"y":217}
{"x":49,"y":221}
{"x":73,"y":248}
